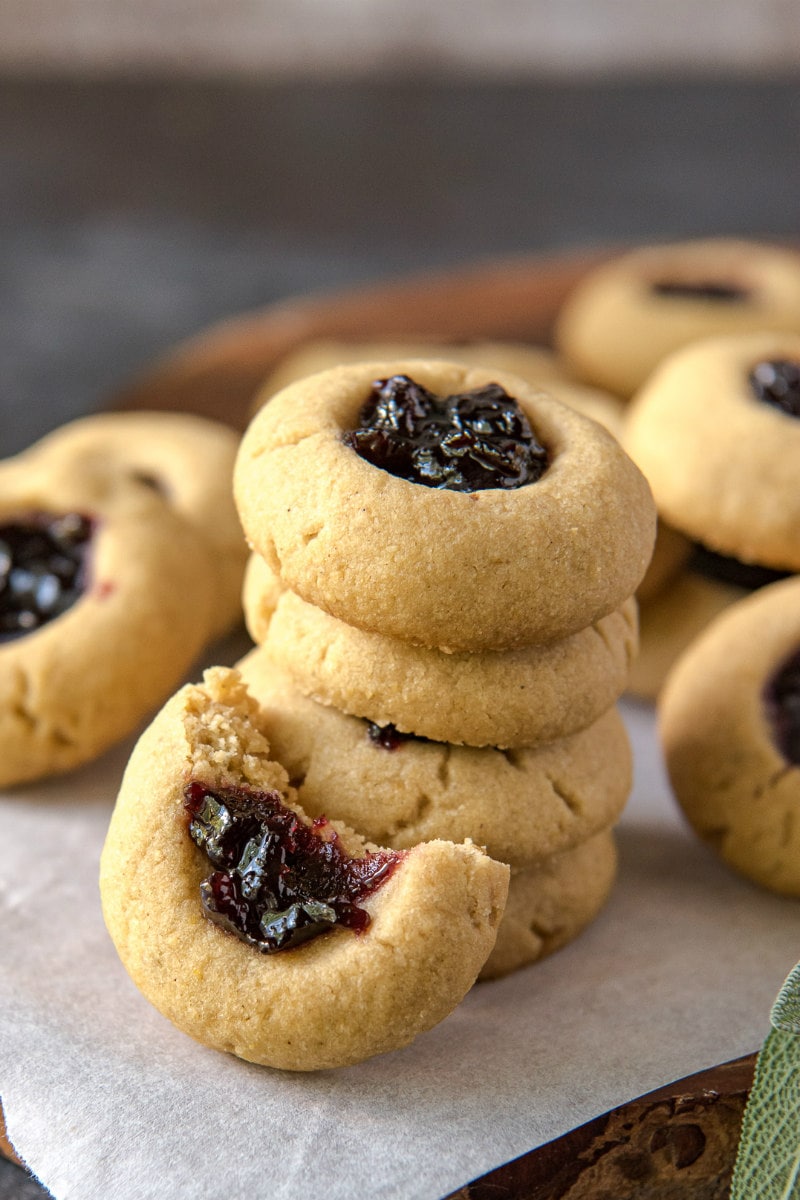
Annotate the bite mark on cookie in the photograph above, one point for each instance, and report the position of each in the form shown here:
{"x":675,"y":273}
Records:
{"x":333,"y":1000}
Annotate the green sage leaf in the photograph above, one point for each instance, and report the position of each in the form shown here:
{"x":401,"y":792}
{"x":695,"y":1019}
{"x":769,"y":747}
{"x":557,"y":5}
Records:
{"x":768,"y":1159}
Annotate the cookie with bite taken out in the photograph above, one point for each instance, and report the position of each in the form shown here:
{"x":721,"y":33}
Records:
{"x":223,"y":899}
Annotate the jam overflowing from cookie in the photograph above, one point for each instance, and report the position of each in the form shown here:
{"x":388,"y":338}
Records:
{"x":782,"y":703}
{"x":702,"y":289}
{"x":724,"y":569}
{"x":466,"y":442}
{"x":777,"y":382}
{"x":278,"y":881}
{"x":43,"y":568}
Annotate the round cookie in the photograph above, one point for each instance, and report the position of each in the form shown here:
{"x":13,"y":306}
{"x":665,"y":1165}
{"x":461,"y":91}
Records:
{"x":551,"y":904}
{"x":720,"y":460}
{"x":522,"y":805}
{"x":139,"y":614}
{"x":432,"y":922}
{"x":188,"y":460}
{"x":534,"y":363}
{"x":484,"y":570}
{"x":508,"y":698}
{"x":628,"y":314}
{"x":728,"y":724}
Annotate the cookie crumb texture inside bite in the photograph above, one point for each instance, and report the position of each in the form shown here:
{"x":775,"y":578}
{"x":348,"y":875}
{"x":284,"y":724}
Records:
{"x":431,"y":924}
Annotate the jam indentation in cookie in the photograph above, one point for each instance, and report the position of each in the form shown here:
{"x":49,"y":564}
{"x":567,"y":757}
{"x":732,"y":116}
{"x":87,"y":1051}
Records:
{"x":278,"y":881}
{"x":782,"y":702}
{"x":712,"y":290}
{"x":43,"y":568}
{"x":777,"y":382}
{"x":466,"y":442}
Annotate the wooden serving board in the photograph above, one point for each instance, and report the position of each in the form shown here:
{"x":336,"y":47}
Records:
{"x":676,"y":1142}
{"x":218,"y":372}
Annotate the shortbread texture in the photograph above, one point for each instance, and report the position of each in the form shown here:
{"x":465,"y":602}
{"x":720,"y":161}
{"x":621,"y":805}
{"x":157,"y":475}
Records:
{"x":434,"y":922}
{"x":722,"y":463}
{"x":522,"y":805}
{"x":486,"y":570}
{"x":72,"y":687}
{"x":505,"y":699}
{"x":732,"y":781}
{"x":550,"y":904}
{"x":188,"y":460}
{"x":615,"y":328}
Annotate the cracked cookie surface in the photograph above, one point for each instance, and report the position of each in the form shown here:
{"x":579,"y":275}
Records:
{"x":522,"y":805}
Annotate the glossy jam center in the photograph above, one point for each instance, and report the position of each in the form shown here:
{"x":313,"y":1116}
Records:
{"x":700,"y":289}
{"x":467,"y":442}
{"x":777,"y":382}
{"x":278,"y":881}
{"x":43,"y":569}
{"x":782,"y":702}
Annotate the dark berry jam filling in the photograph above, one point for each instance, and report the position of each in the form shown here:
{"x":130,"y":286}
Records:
{"x":777,"y":382}
{"x":278,"y":881}
{"x":701,"y":289}
{"x":388,"y":737}
{"x":466,"y":442}
{"x":43,"y":568}
{"x":720,"y":567}
{"x":782,"y":702}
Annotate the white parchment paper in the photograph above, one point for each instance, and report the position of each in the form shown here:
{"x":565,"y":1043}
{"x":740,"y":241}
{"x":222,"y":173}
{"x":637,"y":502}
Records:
{"x":103,"y":1098}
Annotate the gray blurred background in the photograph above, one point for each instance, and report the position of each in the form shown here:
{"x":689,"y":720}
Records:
{"x":165,"y":164}
{"x":342,"y":38}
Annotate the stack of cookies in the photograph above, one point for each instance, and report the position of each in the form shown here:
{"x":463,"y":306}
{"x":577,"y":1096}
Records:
{"x":441,"y":593}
